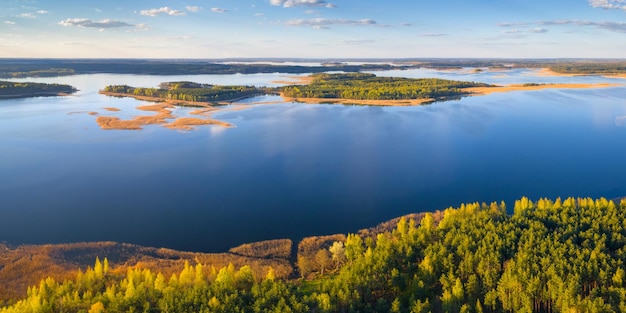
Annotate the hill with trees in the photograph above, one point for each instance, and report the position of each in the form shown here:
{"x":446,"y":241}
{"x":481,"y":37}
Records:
{"x":548,"y":256}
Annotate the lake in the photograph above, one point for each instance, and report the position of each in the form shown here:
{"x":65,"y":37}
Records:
{"x":292,"y":170}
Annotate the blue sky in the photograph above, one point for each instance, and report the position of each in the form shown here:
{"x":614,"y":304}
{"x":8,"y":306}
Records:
{"x":313,"y":28}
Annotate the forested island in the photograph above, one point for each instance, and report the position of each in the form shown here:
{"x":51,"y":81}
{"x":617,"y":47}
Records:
{"x":362,"y":86}
{"x":563,"y":255}
{"x":322,"y":87}
{"x":25,"y":90}
{"x":188,"y":92}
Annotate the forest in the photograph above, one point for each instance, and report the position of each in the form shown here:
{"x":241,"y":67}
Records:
{"x":361,"y":86}
{"x":21,"y":90}
{"x":562,"y":255}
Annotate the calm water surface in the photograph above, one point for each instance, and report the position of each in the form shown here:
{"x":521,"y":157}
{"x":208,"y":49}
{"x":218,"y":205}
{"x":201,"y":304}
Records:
{"x":292,"y":170}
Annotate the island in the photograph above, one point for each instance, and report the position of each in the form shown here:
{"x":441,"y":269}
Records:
{"x":10,"y":90}
{"x":321,"y":88}
{"x":369,"y":89}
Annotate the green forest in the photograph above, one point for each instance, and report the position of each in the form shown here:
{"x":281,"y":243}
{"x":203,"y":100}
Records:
{"x":189,"y":91}
{"x":362,"y":86}
{"x":20,"y":90}
{"x":548,"y":256}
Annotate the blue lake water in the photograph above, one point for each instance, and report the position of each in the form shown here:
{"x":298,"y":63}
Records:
{"x":291,"y":170}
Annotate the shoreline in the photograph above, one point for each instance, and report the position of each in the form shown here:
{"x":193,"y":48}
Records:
{"x":37,"y":94}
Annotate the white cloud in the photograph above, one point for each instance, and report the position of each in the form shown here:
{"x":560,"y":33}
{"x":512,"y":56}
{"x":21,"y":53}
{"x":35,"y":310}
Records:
{"x":83,"y":22}
{"x":433,"y":35}
{"x":42,"y":12}
{"x":324,"y":23}
{"x":193,"y":9}
{"x":302,"y":3}
{"x":259,"y":14}
{"x":9,"y":22}
{"x":218,"y":10}
{"x":609,"y":4}
{"x":27,"y":15}
{"x":163,"y":10}
{"x":619,"y":27}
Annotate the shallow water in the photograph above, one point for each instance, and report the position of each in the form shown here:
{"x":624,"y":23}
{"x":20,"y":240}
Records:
{"x":292,"y":170}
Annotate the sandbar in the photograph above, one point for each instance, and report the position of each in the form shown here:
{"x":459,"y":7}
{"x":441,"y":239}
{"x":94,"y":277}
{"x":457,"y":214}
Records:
{"x":163,"y":114}
{"x":187,"y":123}
{"x":517,"y":87}
{"x":112,"y":109}
{"x":295,"y":80}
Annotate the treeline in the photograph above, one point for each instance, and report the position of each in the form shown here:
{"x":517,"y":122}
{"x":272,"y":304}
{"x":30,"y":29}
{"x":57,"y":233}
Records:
{"x":188,"y":91}
{"x":548,"y":256}
{"x":15,"y":89}
{"x":35,"y":68}
{"x":361,"y":86}
{"x":589,"y":68}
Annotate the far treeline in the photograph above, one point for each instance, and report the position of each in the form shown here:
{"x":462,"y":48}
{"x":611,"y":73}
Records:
{"x":15,"y":68}
{"x":20,"y":90}
{"x":361,"y":86}
{"x":357,"y":86}
{"x":48,"y":68}
{"x":548,"y":256}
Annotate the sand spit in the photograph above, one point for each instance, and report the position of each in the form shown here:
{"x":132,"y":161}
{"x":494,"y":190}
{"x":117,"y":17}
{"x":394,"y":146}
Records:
{"x":517,"y":87}
{"x":112,"y":109}
{"x":295,"y":80}
{"x":549,"y":72}
{"x":187,"y":123}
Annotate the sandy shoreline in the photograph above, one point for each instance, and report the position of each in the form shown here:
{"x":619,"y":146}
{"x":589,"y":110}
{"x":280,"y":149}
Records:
{"x":517,"y":87}
{"x":549,"y":72}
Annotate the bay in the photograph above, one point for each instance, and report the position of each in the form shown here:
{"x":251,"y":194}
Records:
{"x":291,"y":170}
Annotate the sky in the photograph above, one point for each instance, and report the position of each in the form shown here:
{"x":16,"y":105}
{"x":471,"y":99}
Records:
{"x":218,"y":29}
